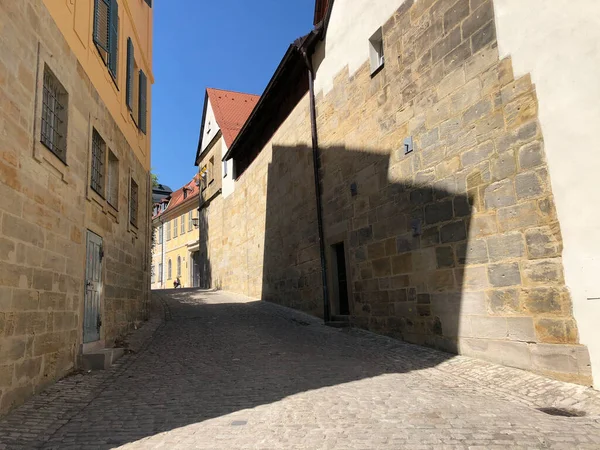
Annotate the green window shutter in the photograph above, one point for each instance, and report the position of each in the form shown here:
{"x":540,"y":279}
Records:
{"x":142,"y":102}
{"x":113,"y":54}
{"x":101,"y":23}
{"x":129,"y":81}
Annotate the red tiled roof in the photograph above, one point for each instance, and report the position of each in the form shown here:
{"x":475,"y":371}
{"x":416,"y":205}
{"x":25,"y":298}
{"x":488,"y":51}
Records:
{"x":177,"y":198}
{"x":231,"y":110}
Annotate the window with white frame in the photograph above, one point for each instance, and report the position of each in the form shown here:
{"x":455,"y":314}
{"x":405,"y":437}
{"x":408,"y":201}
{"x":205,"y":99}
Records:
{"x":190,"y":221}
{"x":175,"y":229}
{"x":376,"y":51}
{"x":182,"y":224}
{"x":160,"y":273}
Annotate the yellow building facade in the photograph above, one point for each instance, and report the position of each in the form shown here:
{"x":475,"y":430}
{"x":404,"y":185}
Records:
{"x":75,"y":215}
{"x":175,"y":248}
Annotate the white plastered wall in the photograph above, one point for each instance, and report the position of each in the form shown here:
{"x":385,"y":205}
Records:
{"x":228,"y":184}
{"x":211,"y":127}
{"x":351,"y":25}
{"x":558,"y":43}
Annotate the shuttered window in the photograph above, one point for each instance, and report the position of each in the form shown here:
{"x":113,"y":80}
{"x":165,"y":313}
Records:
{"x":106,"y":32}
{"x":130,"y":72}
{"x":133,"y":204}
{"x":142,"y":112}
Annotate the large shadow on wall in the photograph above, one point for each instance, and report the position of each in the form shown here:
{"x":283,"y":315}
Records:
{"x":202,"y":270}
{"x":395,"y":251}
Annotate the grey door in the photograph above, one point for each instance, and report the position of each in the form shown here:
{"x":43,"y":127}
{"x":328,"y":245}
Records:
{"x":93,"y":287}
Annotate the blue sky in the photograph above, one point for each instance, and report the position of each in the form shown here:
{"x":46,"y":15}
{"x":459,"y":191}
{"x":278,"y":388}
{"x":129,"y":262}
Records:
{"x":228,"y":44}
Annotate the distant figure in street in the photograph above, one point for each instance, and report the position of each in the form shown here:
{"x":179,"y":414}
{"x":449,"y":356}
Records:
{"x":177,"y":283}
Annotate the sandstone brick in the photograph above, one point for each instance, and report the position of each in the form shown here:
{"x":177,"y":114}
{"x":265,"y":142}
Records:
{"x":482,"y":60}
{"x":42,"y":279}
{"x":430,"y":138}
{"x":501,"y":275}
{"x":442,"y":48}
{"x":518,"y":216}
{"x":504,"y":165}
{"x":399,"y":281}
{"x":551,"y":331}
{"x":483,"y":37}
{"x":457,"y":57}
{"x":482,"y":13}
{"x":382,"y":267}
{"x":455,"y":15}
{"x":6,"y":375}
{"x":475,"y":277}
{"x":443,"y":280}
{"x":489,"y":327}
{"x":402,"y":264}
{"x":28,"y":369}
{"x":477,"y":111}
{"x":505,"y":246}
{"x":25,"y":300}
{"x":483,"y":225}
{"x":445,"y":257}
{"x":473,"y":252}
{"x":481,"y":153}
{"x":521,"y":329}
{"x":12,"y":349}
{"x":504,"y":301}
{"x":543,"y":272}
{"x":376,"y":250}
{"x":500,"y":194}
{"x":445,"y":170}
{"x":531,"y":155}
{"x":521,"y":111}
{"x":438,"y":212}
{"x":543,"y":242}
{"x":453,"y":232}
{"x":20,"y":229}
{"x":15,"y":276}
{"x":545,"y":300}
{"x":528,"y":185}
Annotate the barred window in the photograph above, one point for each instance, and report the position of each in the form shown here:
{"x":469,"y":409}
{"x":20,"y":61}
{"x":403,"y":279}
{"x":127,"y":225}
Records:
{"x":98,"y":158}
{"x":133,"y":204}
{"x":54,"y":115}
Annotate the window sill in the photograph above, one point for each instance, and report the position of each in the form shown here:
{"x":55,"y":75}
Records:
{"x":377,"y":70}
{"x":54,"y":153}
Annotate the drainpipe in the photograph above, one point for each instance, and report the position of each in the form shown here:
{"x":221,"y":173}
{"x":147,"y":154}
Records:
{"x":162,"y":254}
{"x":317,"y":170}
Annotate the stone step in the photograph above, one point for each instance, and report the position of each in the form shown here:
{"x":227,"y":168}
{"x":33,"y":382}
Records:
{"x":340,"y":318}
{"x":100,"y":359}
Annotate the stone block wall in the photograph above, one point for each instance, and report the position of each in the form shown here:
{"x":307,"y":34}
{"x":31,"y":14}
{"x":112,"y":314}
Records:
{"x":457,"y":244}
{"x":47,"y":208}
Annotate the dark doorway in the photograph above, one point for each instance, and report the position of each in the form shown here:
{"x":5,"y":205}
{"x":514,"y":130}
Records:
{"x":196,"y":269}
{"x":341,"y":280}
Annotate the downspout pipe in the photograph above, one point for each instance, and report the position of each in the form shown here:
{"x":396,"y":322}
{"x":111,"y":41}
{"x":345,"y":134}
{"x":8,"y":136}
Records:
{"x":317,"y":177}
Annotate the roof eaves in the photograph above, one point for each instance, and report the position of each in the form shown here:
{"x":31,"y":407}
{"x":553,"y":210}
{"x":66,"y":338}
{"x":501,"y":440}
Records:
{"x":257,"y":109}
{"x":199,"y":150}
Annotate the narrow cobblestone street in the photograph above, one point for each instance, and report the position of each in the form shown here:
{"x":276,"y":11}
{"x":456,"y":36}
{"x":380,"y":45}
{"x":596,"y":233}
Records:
{"x":224,"y":372}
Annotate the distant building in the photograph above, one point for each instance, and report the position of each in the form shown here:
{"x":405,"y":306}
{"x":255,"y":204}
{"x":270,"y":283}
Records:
{"x":175,"y":243}
{"x":454,"y":155}
{"x":75,"y":82}
{"x":160,"y":192}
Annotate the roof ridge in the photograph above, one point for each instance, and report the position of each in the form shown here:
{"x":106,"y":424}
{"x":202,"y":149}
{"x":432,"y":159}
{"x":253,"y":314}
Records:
{"x":233,"y":92}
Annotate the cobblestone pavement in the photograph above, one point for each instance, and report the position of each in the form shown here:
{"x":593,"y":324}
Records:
{"x":223,"y":372}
